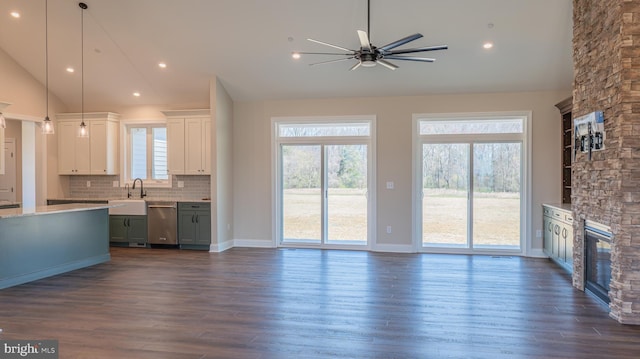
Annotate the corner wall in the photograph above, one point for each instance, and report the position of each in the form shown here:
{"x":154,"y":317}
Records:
{"x":222,"y":167}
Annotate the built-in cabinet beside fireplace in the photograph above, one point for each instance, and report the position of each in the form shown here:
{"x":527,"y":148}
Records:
{"x":558,"y":234}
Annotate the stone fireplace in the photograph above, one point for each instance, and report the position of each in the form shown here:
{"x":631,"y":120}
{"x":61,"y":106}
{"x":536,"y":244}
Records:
{"x":597,"y":260}
{"x":606,"y":188}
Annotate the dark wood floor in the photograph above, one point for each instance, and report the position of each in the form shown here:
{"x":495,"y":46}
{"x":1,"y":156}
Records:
{"x":266,"y":303}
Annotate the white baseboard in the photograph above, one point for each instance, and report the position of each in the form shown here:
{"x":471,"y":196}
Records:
{"x":537,"y":253}
{"x":393,"y":248}
{"x":220,"y":247}
{"x":253,"y":243}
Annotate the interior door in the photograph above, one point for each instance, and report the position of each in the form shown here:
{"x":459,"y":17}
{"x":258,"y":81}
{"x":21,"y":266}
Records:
{"x":8,"y":179}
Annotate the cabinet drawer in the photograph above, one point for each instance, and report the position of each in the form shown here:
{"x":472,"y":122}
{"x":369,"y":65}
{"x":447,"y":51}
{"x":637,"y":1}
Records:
{"x":184,"y":206}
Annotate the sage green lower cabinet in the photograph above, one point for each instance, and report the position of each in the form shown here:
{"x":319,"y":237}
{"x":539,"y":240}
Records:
{"x":128,"y":231}
{"x":194,"y":225}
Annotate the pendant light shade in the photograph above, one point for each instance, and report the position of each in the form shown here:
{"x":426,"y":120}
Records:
{"x":83,"y":131}
{"x":47,"y":125}
{"x":3,"y":120}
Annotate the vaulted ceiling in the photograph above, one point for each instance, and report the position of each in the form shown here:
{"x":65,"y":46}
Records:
{"x":248,"y":45}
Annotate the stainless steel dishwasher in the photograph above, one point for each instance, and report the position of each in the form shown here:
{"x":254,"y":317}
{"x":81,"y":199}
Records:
{"x":162,"y":219}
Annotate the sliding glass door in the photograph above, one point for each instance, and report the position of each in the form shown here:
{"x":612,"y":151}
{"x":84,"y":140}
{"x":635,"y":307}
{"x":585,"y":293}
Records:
{"x":324,"y":177}
{"x":471,"y":184}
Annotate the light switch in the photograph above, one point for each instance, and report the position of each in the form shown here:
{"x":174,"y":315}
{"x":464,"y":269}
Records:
{"x":88,"y":184}
{"x":390,"y":185}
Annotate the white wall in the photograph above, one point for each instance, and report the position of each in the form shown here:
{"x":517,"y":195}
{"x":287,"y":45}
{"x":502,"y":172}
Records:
{"x":28,"y":100}
{"x":252,"y":188}
{"x":221,"y":179}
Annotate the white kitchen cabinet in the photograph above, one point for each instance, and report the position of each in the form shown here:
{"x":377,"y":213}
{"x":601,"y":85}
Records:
{"x":95,"y":155}
{"x":189,"y":142}
{"x":558,"y":235}
{"x":73,"y":151}
{"x":197,"y":133}
{"x":175,"y":146}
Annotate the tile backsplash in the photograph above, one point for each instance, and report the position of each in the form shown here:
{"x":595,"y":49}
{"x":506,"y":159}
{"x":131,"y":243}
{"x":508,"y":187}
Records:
{"x":195,"y":187}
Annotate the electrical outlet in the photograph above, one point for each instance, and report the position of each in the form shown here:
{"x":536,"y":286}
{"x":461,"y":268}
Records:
{"x":390,"y":185}
{"x":180,"y":184}
{"x":388,"y":229}
{"x":88,"y":184}
{"x":116,"y":184}
{"x":538,"y":233}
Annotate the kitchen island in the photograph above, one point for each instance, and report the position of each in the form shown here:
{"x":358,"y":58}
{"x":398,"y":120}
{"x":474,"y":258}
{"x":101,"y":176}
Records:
{"x":40,"y":242}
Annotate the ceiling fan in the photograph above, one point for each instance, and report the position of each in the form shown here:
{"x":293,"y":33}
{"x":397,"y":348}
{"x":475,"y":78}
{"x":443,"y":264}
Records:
{"x":369,"y":55}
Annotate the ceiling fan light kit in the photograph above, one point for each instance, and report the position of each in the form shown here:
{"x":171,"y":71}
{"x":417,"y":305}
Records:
{"x":369,"y":55}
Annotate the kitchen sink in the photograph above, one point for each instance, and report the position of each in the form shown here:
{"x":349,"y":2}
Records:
{"x":128,"y":207}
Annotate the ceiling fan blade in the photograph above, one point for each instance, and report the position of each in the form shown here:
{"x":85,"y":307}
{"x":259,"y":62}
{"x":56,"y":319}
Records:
{"x":330,"y":61}
{"x":364,"y":40}
{"x":410,"y":58}
{"x":387,"y":64}
{"x":334,"y":46}
{"x":320,"y":53}
{"x":418,"y":49}
{"x":355,"y":66}
{"x":400,"y":42}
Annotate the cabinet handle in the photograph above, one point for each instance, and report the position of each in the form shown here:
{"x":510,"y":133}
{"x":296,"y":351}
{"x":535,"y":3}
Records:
{"x":128,"y":222}
{"x":564,"y":233}
{"x":556,"y":229}
{"x":193,"y":218}
{"x":124,"y":222}
{"x":197,"y":215}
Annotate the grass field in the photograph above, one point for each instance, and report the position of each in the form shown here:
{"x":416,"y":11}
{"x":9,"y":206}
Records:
{"x":496,"y":223}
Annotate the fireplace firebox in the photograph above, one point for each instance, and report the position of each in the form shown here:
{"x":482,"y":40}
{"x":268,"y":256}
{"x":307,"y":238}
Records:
{"x":597,"y":259}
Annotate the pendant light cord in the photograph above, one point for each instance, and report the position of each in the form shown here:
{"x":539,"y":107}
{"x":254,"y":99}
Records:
{"x":46,"y":55}
{"x":83,"y":6}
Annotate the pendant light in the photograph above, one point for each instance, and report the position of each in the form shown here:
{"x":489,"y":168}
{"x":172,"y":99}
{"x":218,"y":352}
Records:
{"x":83,"y":131}
{"x":47,"y":125}
{"x":3,"y":120}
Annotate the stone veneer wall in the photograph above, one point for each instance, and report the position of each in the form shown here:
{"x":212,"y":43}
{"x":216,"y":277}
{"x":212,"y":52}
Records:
{"x":606,"y":189}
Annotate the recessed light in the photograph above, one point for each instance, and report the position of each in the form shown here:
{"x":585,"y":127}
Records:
{"x":295,"y":55}
{"x":70,"y":70}
{"x":488,"y":45}
{"x":162,"y":65}
{"x":15,"y":14}
{"x":136,"y":94}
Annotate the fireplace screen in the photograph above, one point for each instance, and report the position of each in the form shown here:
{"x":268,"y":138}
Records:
{"x":598,"y":260}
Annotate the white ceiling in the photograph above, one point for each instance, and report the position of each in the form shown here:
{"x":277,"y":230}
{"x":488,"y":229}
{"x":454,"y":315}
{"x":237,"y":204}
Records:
{"x":248,"y":45}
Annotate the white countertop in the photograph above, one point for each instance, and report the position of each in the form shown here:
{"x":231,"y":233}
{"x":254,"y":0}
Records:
{"x":59,"y":208}
{"x":562,"y":206}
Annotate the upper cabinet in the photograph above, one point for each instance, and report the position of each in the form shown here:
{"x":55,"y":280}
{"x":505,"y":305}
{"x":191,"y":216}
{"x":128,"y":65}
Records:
{"x":189,"y":142}
{"x":95,"y":155}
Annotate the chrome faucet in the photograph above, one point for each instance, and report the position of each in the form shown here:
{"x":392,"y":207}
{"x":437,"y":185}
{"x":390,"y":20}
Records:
{"x":142,"y":192}
{"x":126,"y":187}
